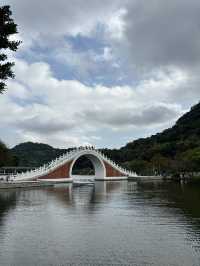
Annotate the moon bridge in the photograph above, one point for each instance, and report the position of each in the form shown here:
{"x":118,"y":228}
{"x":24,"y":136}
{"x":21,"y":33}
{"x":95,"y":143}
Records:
{"x":60,"y":169}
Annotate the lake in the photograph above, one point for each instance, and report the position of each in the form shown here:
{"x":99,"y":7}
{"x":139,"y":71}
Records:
{"x":110,"y":223}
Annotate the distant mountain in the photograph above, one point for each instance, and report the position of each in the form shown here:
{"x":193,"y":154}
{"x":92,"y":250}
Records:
{"x":175,"y":149}
{"x":35,"y":154}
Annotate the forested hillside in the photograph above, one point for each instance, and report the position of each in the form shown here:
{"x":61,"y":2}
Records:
{"x":35,"y":154}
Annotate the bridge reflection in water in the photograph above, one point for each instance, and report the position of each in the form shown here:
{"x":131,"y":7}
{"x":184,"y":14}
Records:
{"x":84,"y":195}
{"x":108,"y":223}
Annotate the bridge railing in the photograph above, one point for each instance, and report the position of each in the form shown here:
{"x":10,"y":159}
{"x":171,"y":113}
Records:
{"x":46,"y":167}
{"x":115,"y":165}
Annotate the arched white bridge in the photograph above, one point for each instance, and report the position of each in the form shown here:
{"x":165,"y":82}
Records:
{"x":61,"y":168}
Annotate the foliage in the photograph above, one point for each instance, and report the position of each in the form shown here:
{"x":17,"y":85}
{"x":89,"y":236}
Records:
{"x":6,"y":157}
{"x":7,"y":29}
{"x":192,"y":159}
{"x":35,"y":154}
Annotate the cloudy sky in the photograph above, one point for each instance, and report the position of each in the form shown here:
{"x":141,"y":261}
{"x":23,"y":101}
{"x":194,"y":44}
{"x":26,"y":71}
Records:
{"x":100,"y":72}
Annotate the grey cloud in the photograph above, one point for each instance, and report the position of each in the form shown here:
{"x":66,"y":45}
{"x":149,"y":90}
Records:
{"x":45,"y":126}
{"x":152,"y":115}
{"x":52,"y":17}
{"x":163,"y":33}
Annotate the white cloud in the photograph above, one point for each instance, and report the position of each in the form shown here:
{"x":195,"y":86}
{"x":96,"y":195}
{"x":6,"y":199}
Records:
{"x":107,"y":55}
{"x":67,"y":112}
{"x":116,"y":24}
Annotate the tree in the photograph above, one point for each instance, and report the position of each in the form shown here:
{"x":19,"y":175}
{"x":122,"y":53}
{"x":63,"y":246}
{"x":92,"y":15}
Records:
{"x":7,"y":28}
{"x":6,"y":157}
{"x":192,"y":159}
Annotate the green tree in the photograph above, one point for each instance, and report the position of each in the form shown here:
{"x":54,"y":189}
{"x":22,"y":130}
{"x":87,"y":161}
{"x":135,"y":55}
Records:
{"x":6,"y":157}
{"x":7,"y":29}
{"x":192,"y":159}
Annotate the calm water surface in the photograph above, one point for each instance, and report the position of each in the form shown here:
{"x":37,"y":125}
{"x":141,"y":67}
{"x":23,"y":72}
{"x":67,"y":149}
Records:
{"x":112,"y":223}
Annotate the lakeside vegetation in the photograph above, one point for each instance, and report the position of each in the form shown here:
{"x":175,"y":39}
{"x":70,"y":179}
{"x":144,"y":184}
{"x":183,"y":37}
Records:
{"x":175,"y":151}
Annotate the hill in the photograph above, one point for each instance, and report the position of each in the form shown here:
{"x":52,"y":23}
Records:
{"x":35,"y":154}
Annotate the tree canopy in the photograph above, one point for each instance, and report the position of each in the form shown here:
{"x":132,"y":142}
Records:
{"x":7,"y":29}
{"x":6,"y":157}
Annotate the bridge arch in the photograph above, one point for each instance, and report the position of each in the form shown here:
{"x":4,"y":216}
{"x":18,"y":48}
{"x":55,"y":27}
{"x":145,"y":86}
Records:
{"x":97,"y":162}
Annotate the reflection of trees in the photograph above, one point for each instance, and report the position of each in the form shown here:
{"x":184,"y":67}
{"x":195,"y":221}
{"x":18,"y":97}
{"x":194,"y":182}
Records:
{"x":63,"y":193}
{"x":173,"y":195}
{"x":7,"y":202}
